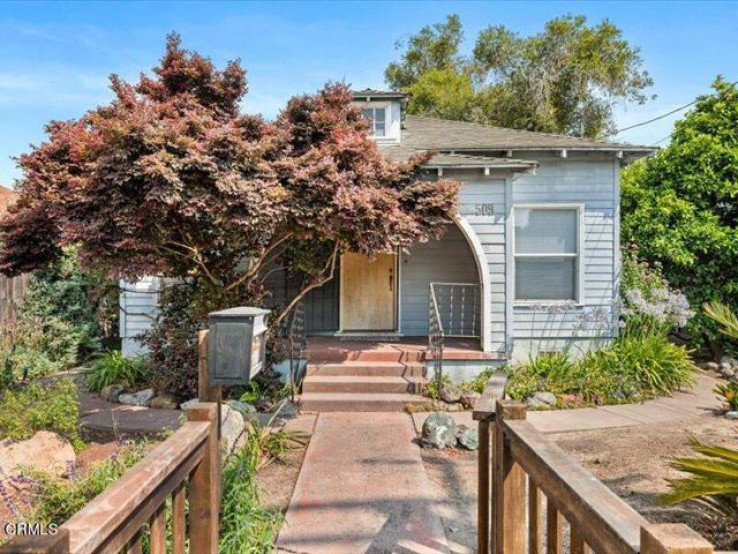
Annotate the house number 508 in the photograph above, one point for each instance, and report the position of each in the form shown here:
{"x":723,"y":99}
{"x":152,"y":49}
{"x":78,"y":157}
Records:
{"x":484,"y":209}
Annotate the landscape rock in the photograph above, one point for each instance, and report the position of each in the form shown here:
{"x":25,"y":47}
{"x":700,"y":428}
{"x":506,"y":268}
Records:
{"x":729,"y":360}
{"x":140,"y":398}
{"x":111,"y":393}
{"x":243,"y":407}
{"x":728,"y":372}
{"x":542,"y":399}
{"x":439,"y":431}
{"x":232,"y":432}
{"x":468,"y":437}
{"x":164,"y":402}
{"x":731,"y":415}
{"x":450,"y":393}
{"x":470,"y":398}
{"x":45,"y":451}
{"x":184,"y":406}
{"x":287,"y":410}
{"x":712,"y":366}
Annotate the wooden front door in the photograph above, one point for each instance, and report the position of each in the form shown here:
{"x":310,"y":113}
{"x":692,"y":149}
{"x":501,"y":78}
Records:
{"x":368,"y":292}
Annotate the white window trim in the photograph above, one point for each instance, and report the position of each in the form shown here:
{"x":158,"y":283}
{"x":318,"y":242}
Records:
{"x":387,"y":118}
{"x":579,"y":207}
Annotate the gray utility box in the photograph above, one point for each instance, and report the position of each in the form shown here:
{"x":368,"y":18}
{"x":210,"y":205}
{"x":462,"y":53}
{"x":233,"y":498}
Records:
{"x":237,"y":345}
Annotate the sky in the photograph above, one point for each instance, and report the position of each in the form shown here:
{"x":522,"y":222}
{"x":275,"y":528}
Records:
{"x":55,"y":57}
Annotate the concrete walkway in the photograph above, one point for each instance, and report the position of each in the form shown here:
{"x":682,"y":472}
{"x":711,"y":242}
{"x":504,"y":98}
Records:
{"x":682,"y":405}
{"x":362,"y":490}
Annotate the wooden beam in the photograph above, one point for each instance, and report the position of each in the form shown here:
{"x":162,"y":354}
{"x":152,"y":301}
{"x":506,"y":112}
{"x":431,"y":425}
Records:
{"x":205,"y":485}
{"x":508,"y":489}
{"x":484,"y":501}
{"x":34,"y":544}
{"x":673,"y":538}
{"x":554,"y":529}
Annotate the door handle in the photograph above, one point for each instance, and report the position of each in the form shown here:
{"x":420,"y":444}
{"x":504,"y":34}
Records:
{"x":391,"y":279}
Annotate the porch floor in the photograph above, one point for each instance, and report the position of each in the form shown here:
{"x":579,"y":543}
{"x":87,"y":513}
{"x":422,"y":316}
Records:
{"x":405,"y":349}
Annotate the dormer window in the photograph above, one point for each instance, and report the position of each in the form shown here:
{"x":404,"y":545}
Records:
{"x":377,"y":118}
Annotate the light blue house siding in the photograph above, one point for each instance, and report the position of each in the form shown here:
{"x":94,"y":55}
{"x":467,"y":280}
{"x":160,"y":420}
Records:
{"x":586,"y":179}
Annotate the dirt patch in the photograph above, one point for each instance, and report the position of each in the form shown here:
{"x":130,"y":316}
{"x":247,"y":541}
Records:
{"x":277,"y":480}
{"x":633,"y":462}
{"x":453,"y":477}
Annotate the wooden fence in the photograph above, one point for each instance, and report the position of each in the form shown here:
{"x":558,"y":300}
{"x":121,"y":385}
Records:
{"x":184,"y":467}
{"x":521,"y":472}
{"x":12,"y":290}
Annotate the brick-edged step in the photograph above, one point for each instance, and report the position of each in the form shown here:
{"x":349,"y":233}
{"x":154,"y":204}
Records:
{"x":366,"y":369}
{"x":362,"y":383}
{"x":357,"y":402}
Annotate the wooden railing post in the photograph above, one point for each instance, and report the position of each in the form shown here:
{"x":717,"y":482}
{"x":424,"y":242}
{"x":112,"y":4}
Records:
{"x":673,"y":538}
{"x":484,"y":462}
{"x":48,"y":544}
{"x":205,"y":485}
{"x":508,"y":486}
{"x":206,"y":393}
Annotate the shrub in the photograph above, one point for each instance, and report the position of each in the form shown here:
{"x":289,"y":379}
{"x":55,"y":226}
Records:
{"x":629,"y":369}
{"x":56,"y":499}
{"x":480,"y":381}
{"x":246,"y":526}
{"x":728,"y":393}
{"x":113,"y":367}
{"x":30,"y":408}
{"x":172,"y":342}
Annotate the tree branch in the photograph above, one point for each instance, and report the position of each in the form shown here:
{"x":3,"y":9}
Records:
{"x":319,"y":283}
{"x":254,"y":269}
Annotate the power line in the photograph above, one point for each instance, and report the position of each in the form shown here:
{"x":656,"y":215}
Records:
{"x":662,"y":116}
{"x":667,"y":114}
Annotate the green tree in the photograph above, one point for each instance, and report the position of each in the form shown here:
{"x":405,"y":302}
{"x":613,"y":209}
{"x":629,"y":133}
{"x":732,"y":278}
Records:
{"x":434,"y":47}
{"x":565,"y":79}
{"x":680,"y":206}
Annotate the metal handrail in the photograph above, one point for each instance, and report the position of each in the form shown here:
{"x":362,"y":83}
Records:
{"x":459,"y":308}
{"x":435,"y":337}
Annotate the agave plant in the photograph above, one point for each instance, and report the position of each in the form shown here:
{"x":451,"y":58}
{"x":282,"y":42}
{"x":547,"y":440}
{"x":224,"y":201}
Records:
{"x":723,"y":316}
{"x":713,"y":479}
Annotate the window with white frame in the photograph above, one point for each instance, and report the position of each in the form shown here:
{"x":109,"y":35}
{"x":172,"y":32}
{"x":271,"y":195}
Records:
{"x":377,"y":121}
{"x":547,"y":250}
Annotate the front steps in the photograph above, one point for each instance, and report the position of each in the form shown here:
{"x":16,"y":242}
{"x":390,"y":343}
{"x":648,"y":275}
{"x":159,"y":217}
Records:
{"x":362,"y":385}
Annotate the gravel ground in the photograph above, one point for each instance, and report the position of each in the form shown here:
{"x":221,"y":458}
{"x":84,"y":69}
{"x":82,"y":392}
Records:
{"x":632,"y":461}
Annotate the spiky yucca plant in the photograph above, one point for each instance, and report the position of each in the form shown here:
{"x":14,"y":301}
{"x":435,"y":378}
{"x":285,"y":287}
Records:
{"x":713,"y":479}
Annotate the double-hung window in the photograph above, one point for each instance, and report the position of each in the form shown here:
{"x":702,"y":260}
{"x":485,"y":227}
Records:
{"x":377,"y":121}
{"x":548,"y":253}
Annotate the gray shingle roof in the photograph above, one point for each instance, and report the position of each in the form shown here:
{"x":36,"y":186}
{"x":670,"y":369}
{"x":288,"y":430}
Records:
{"x":374,"y":93}
{"x":401,"y":153}
{"x":428,"y":133}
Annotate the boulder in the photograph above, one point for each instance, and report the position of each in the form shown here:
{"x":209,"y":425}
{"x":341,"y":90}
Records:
{"x":242,"y":407}
{"x":140,"y":398}
{"x":470,"y":398}
{"x":712,"y":366}
{"x":729,"y":360}
{"x":728,"y":372}
{"x":184,"y":406}
{"x":467,"y":437}
{"x":44,"y":451}
{"x":439,"y":431}
{"x":232,"y":432}
{"x":164,"y":402}
{"x":112,"y":393}
{"x":731,"y":415}
{"x":541,"y":399}
{"x":450,"y":393}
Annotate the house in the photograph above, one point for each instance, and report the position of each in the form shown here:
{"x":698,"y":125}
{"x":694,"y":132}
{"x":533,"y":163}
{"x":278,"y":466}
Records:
{"x":531,"y":262}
